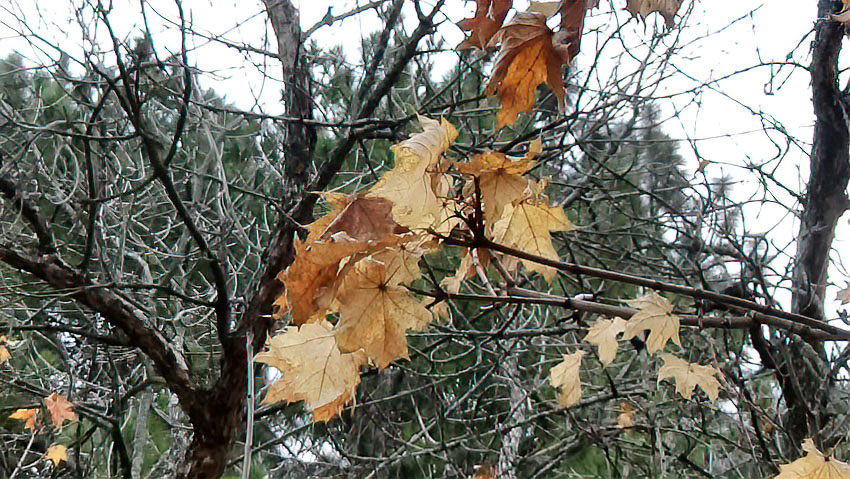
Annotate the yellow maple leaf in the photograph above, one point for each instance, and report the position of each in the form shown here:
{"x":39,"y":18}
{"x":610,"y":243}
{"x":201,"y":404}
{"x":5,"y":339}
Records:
{"x":27,"y":415}
{"x":376,"y":309}
{"x":4,"y":354}
{"x":565,"y":377}
{"x":528,"y":57}
{"x":488,"y":19}
{"x":410,"y":186}
{"x":59,"y":409}
{"x":688,"y":376}
{"x":814,"y":465}
{"x":603,"y":334}
{"x":56,"y":453}
{"x":667,"y":9}
{"x":312,"y":368}
{"x":526,"y":226}
{"x":500,"y":179}
{"x":655,"y":314}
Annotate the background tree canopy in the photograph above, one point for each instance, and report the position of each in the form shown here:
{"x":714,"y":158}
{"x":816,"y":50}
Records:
{"x":148,"y":209}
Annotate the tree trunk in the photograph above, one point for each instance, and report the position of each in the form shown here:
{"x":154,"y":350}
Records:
{"x":825,"y":201}
{"x":216,"y":414}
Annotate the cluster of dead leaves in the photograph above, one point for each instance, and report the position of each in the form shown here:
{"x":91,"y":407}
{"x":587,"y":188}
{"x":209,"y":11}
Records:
{"x":346,"y":292}
{"x":655,"y":315}
{"x":59,"y":411}
{"x":530,"y":52}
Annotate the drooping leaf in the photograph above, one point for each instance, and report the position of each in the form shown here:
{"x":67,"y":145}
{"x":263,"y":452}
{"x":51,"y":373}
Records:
{"x":375,"y":308}
{"x":59,"y":410}
{"x":603,"y":334}
{"x":688,"y":376}
{"x":27,"y":415}
{"x":488,"y":19}
{"x":528,"y":57}
{"x":500,"y":179}
{"x":814,"y":465}
{"x":411,"y":185}
{"x":312,"y":368}
{"x":565,"y":377}
{"x":527,"y":225}
{"x":56,"y":453}
{"x":655,"y":314}
{"x":667,"y":9}
{"x":573,"y":13}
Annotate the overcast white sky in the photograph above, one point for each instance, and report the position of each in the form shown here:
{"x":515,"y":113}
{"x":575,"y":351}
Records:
{"x":719,"y":120}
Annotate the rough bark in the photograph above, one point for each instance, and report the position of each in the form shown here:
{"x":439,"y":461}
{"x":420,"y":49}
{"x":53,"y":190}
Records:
{"x":217,"y":416}
{"x":807,"y":383}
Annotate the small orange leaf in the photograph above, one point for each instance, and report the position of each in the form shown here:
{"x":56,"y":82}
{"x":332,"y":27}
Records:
{"x":26,"y":415}
{"x":4,"y":354}
{"x":59,"y":409}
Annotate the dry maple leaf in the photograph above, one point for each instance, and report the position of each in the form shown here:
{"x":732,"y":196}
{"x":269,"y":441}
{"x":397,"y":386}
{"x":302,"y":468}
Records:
{"x":312,"y":368}
{"x":844,"y":295}
{"x":410,"y":186}
{"x":667,"y":9}
{"x":4,"y":354}
{"x":375,"y":308}
{"x":56,"y":453}
{"x":688,"y":376}
{"x":59,"y":409}
{"x":528,"y":57}
{"x":565,"y":377}
{"x":655,"y":314}
{"x":484,"y":471}
{"x":27,"y":415}
{"x":814,"y":465}
{"x":355,"y":224}
{"x":603,"y":334}
{"x":526,"y":226}
{"x":488,"y":19}
{"x":500,"y":179}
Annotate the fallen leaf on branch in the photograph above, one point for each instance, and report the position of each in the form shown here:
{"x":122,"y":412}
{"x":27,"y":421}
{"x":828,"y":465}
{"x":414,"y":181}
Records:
{"x":655,"y":314}
{"x":814,"y":465}
{"x":312,"y":368}
{"x":59,"y":409}
{"x":667,"y":9}
{"x":488,"y":19}
{"x":688,"y":376}
{"x":603,"y":334}
{"x":56,"y":453}
{"x":565,"y":377}
{"x":528,"y":57}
